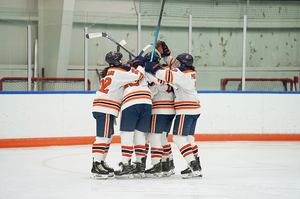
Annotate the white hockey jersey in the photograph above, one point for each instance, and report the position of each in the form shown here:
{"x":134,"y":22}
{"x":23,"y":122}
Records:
{"x":110,"y":95}
{"x":162,"y":97}
{"x":137,"y":93}
{"x":186,"y":98}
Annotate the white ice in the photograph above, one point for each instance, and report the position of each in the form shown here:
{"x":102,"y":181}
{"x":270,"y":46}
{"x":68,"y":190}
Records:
{"x":230,"y":170}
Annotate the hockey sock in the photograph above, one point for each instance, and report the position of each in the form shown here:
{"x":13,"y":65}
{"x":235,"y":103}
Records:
{"x":127,"y":145}
{"x":184,"y":147}
{"x":107,"y":149}
{"x":191,"y":140}
{"x":139,"y":145}
{"x":156,"y":148}
{"x":99,"y":147}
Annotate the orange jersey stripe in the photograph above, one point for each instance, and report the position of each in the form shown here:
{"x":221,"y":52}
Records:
{"x":137,"y":92}
{"x":105,"y":100}
{"x":107,"y":106}
{"x":163,"y":101}
{"x":139,"y":97}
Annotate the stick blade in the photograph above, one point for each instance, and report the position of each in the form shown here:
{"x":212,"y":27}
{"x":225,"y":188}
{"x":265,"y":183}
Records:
{"x":122,"y":43}
{"x":94,"y":35}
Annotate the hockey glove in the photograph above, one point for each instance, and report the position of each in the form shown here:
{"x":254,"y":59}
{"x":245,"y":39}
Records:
{"x":152,"y":67}
{"x":162,"y":48}
{"x":138,"y":61}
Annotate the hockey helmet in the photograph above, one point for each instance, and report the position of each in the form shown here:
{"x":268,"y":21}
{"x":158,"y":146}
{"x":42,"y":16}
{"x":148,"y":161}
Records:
{"x":156,"y":57}
{"x":113,"y":58}
{"x":185,"y":59}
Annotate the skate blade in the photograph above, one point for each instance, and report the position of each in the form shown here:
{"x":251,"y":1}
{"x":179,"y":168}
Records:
{"x":154,"y":175}
{"x":100,"y":176}
{"x":111,"y":174}
{"x":127,"y":176}
{"x":139,"y":175}
{"x":166,"y":174}
{"x":197,"y":174}
{"x":172,"y":172}
{"x":187,"y":176}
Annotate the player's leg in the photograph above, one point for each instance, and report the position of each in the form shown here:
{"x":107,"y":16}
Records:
{"x":191,"y":140}
{"x":104,"y":163}
{"x":104,"y":133}
{"x":168,"y":166}
{"x":140,"y":134}
{"x":127,"y":126}
{"x":158,"y":122}
{"x":181,"y":130}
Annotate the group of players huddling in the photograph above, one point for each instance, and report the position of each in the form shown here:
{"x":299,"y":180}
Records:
{"x":141,"y":91}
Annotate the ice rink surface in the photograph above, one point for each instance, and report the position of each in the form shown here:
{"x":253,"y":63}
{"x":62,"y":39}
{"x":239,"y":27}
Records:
{"x":230,"y":170}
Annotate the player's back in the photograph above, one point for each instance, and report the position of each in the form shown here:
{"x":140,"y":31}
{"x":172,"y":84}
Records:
{"x":110,"y":95}
{"x":137,"y":93}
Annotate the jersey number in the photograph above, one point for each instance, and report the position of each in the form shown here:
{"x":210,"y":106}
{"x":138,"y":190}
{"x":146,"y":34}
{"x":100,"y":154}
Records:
{"x":103,"y":84}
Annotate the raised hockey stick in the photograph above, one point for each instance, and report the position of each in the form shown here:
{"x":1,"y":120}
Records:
{"x":102,"y":34}
{"x":145,"y":48}
{"x":156,"y":35}
{"x":122,"y":43}
{"x":95,"y":35}
{"x":157,"y":29}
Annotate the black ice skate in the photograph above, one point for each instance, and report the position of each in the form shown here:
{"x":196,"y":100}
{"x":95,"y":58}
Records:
{"x":155,"y":171}
{"x":172,"y":167}
{"x":198,"y":162}
{"x":194,"y":166}
{"x":193,"y":170}
{"x":125,"y":171}
{"x":99,"y":171}
{"x":166,"y":172}
{"x":138,"y":169}
{"x":108,"y":168}
{"x":187,"y":173}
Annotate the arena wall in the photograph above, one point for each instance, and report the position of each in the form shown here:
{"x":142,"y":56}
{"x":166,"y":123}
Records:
{"x":65,"y":118}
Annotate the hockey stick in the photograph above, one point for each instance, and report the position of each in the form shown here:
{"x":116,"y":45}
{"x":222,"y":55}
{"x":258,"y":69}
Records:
{"x":95,"y":35}
{"x":102,"y":34}
{"x":156,"y":35}
{"x":98,"y":74}
{"x":145,"y":48}
{"x":157,"y":29}
{"x":122,"y":43}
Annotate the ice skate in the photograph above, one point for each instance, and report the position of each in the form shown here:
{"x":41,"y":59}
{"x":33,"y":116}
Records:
{"x":172,"y":167}
{"x":155,"y":171}
{"x":198,"y":162}
{"x":108,"y":168}
{"x":187,"y":173}
{"x":98,"y":171}
{"x":138,"y":169}
{"x":125,"y":171}
{"x":196,"y":170}
{"x":166,"y":172}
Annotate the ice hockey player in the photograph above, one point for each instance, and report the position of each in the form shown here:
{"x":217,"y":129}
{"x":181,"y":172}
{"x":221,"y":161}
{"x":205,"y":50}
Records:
{"x":106,"y":107}
{"x":187,"y":104}
{"x":135,"y":119}
{"x":163,"y":112}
